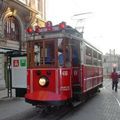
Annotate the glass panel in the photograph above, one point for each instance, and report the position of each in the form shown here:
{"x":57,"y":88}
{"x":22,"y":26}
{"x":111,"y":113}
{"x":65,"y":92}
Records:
{"x":94,"y":54}
{"x":88,"y":51}
{"x":95,"y":61}
{"x":75,"y":53}
{"x":60,"y":52}
{"x":75,"y":56}
{"x":99,"y":56}
{"x":49,"y":52}
{"x":88,"y":55}
{"x":37,"y":57}
{"x":88,"y":60}
{"x":67,"y":56}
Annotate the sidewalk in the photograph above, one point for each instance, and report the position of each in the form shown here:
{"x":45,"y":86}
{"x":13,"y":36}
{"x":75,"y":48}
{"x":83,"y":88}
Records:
{"x":3,"y":93}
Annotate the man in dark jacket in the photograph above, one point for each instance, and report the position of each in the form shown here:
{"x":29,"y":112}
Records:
{"x":114,"y":76}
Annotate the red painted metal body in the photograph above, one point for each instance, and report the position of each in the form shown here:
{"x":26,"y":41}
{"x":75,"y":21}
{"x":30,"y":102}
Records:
{"x":78,"y":73}
{"x":62,"y":83}
{"x":59,"y":88}
{"x":91,"y":77}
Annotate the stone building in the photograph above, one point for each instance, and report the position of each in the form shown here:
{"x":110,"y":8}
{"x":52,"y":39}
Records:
{"x":15,"y":17}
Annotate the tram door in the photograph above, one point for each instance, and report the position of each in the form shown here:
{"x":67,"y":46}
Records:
{"x":76,"y":68}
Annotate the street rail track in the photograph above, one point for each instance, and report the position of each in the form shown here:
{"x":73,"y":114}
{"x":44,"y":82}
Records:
{"x":46,"y":114}
{"x":35,"y":114}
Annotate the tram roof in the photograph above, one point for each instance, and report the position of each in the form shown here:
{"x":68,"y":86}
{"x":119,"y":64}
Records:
{"x":56,"y":32}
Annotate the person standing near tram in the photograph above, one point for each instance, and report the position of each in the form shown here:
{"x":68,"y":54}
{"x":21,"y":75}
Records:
{"x":114,"y":77}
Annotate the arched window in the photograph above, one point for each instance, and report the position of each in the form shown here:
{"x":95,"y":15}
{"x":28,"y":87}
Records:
{"x":11,"y":28}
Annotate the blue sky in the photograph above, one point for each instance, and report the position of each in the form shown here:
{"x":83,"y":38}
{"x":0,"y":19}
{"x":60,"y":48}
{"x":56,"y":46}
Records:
{"x":101,"y":27}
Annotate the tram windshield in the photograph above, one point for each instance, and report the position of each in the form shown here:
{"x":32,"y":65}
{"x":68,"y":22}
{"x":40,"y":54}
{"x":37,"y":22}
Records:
{"x":44,"y":53}
{"x":41,"y":53}
{"x":52,"y":53}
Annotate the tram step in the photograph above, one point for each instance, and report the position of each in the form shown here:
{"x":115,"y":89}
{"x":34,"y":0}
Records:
{"x":76,"y":103}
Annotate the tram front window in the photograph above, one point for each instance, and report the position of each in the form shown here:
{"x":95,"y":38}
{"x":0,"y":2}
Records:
{"x":49,"y":52}
{"x":44,"y":53}
{"x":37,"y":54}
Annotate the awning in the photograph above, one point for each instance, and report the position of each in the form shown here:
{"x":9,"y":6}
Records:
{"x":5,"y":50}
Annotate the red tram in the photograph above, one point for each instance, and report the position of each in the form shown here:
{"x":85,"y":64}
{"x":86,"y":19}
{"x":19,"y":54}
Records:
{"x":62,"y":66}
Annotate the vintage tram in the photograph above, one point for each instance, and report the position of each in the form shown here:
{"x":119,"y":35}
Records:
{"x":62,"y":66}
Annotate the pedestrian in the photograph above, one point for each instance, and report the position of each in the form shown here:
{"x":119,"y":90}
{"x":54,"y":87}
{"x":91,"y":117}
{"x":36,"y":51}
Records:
{"x":114,"y":77}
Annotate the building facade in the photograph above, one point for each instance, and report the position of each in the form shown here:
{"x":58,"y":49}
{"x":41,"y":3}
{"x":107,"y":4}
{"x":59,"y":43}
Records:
{"x":15,"y":17}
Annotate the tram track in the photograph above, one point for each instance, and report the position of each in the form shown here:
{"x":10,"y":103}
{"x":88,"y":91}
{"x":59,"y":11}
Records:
{"x":54,"y":114}
{"x":44,"y":114}
{"x":35,"y":114}
{"x":41,"y":114}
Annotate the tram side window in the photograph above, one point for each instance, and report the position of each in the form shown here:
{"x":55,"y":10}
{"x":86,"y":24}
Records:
{"x":75,"y":56}
{"x":99,"y":59}
{"x":88,"y":55}
{"x":95,"y":58}
{"x":37,"y":54}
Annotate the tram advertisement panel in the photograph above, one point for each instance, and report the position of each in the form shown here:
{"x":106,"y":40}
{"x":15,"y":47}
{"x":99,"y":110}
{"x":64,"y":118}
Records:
{"x":19,"y":72}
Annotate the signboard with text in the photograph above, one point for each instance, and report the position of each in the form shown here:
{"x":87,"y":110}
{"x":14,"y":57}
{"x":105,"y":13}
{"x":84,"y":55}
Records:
{"x":19,"y":72}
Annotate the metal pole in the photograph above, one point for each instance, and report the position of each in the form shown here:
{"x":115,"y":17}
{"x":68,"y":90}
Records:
{"x":9,"y":76}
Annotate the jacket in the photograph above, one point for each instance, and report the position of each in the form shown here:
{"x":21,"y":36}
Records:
{"x":114,"y":76}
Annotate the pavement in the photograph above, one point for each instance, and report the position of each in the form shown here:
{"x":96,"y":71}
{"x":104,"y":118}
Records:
{"x":3,"y":93}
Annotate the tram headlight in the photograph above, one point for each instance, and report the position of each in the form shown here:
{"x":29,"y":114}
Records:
{"x":43,"y":81}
